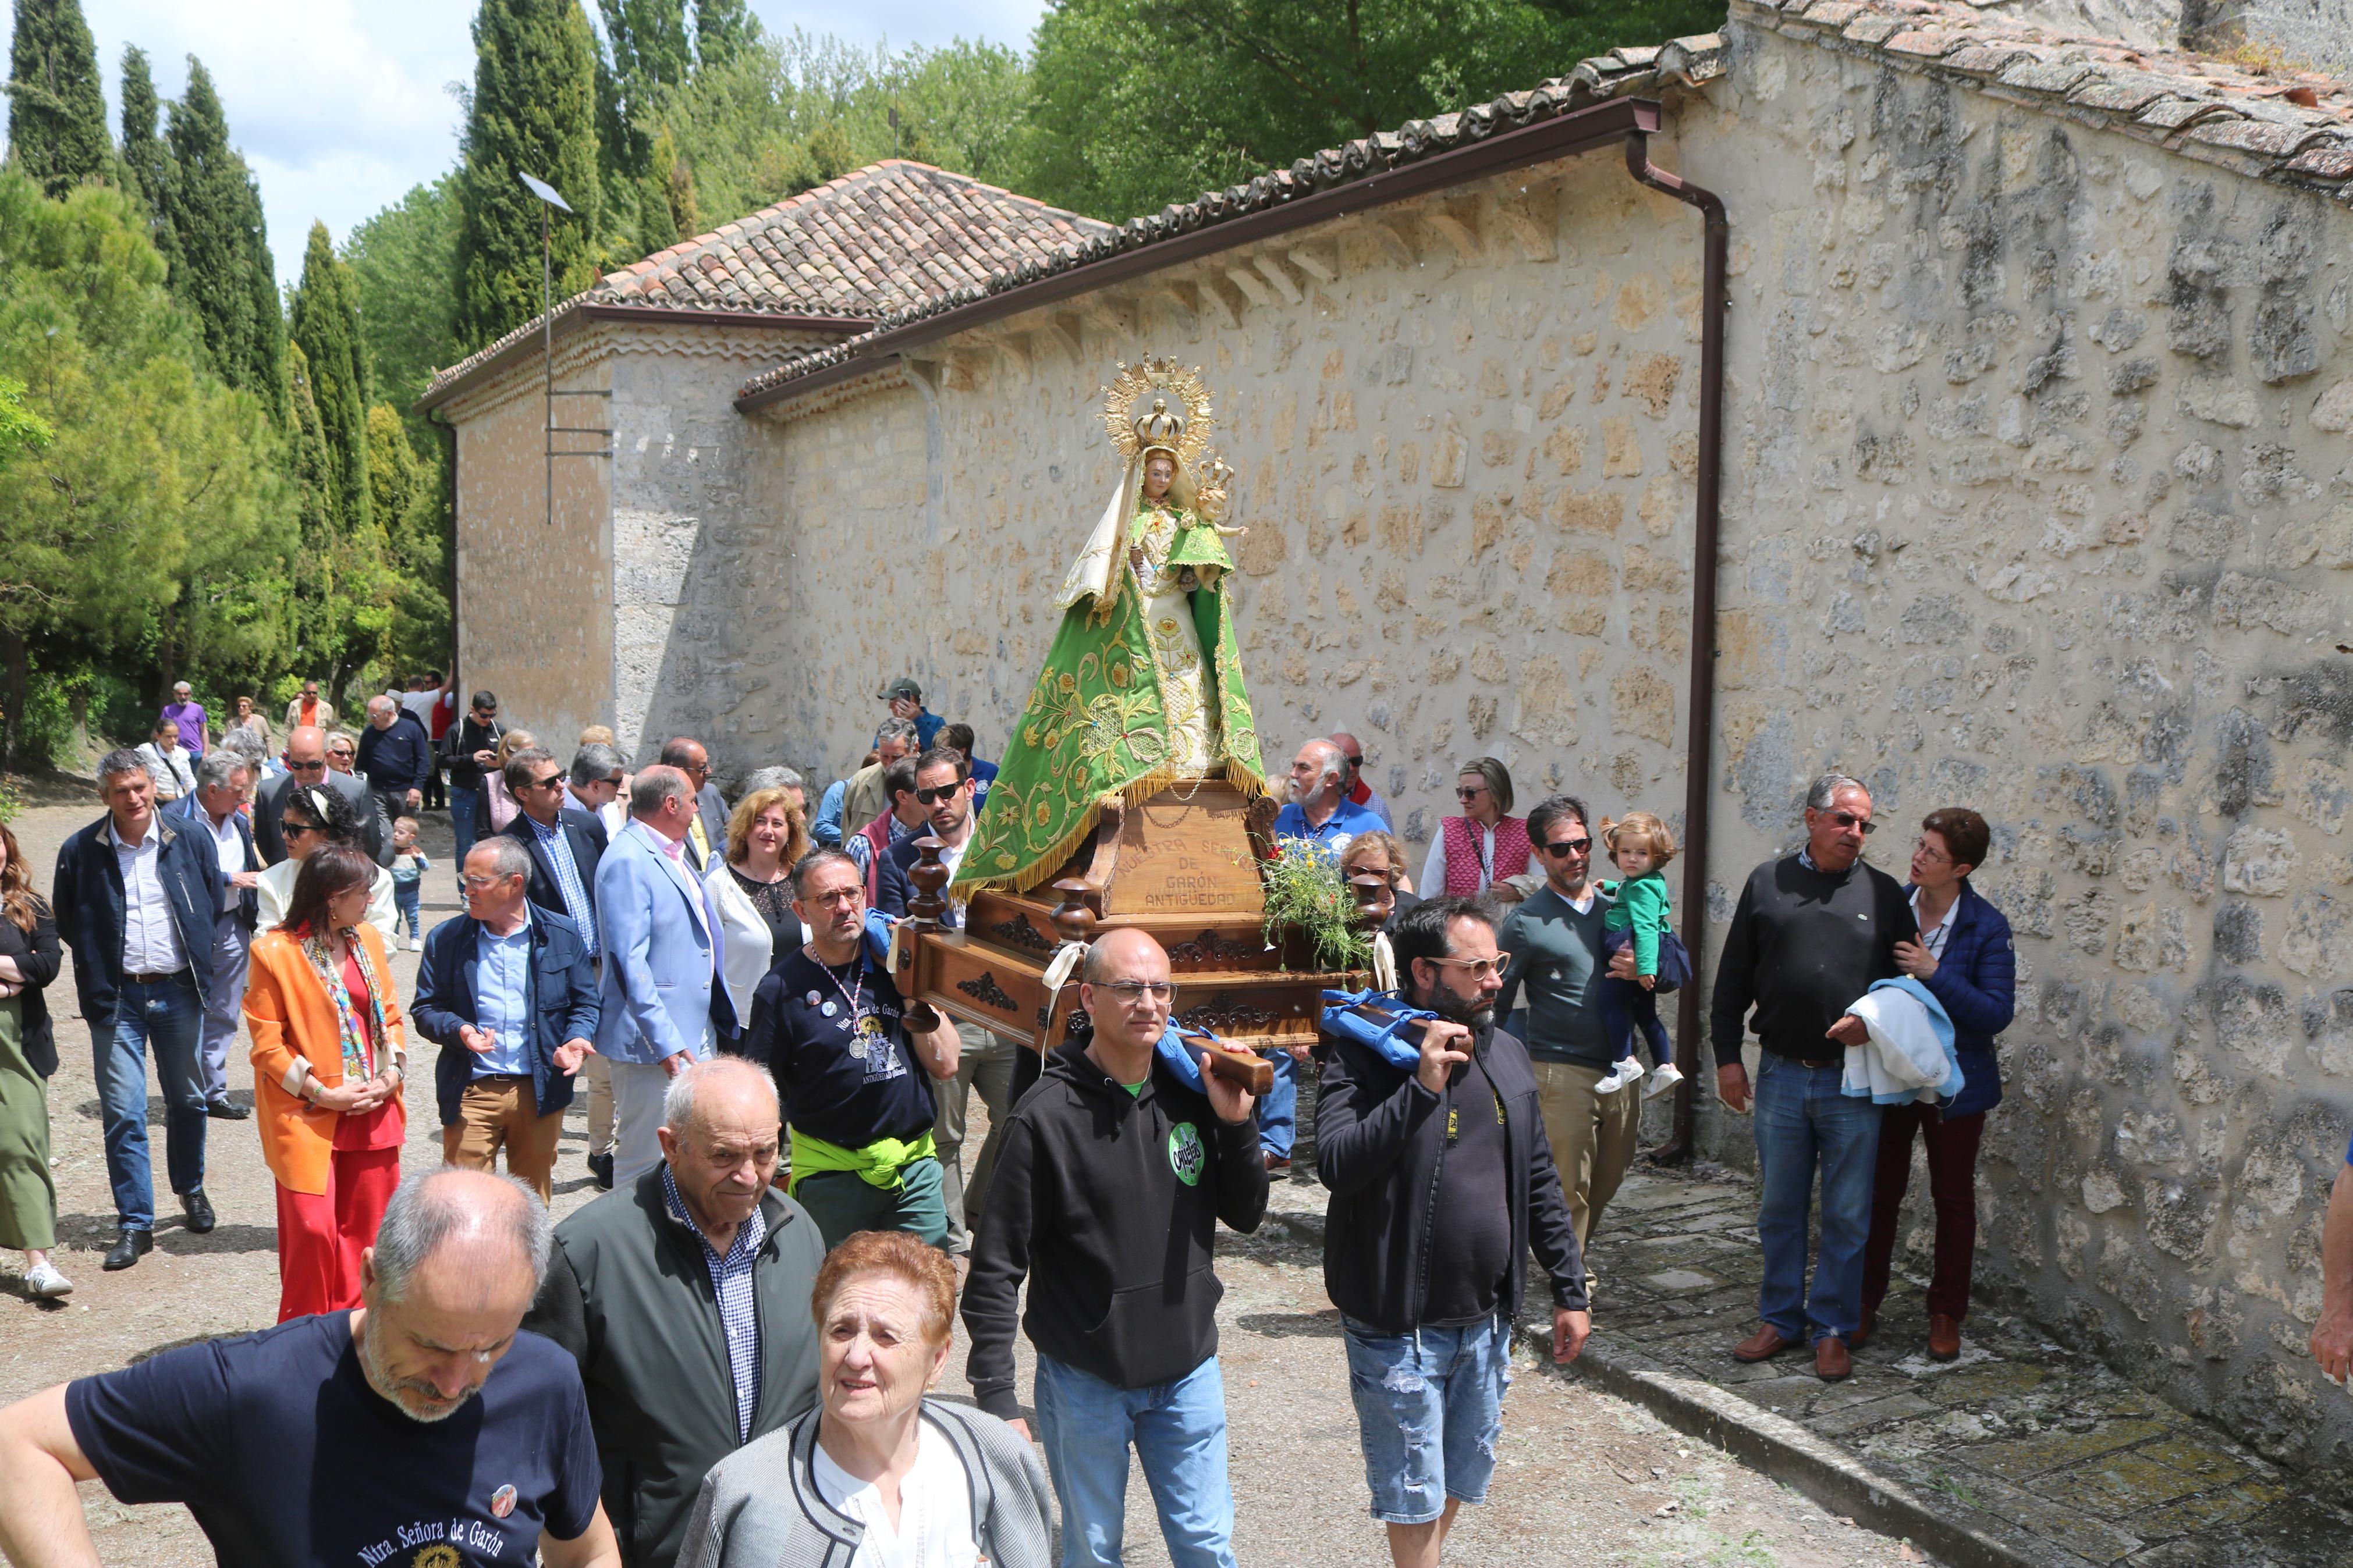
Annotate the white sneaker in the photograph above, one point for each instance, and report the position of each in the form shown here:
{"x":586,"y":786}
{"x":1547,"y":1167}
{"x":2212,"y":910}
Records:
{"x":1667,"y":1075}
{"x":1629,"y":1071}
{"x":43,"y":1282}
{"x":414,"y":945}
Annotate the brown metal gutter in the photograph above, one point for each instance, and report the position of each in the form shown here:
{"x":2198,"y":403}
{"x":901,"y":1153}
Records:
{"x":1698,"y":767}
{"x":1576,"y":131}
{"x":570,"y":320}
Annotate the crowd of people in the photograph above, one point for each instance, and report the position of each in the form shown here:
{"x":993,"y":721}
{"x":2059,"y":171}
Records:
{"x":731,"y":1352}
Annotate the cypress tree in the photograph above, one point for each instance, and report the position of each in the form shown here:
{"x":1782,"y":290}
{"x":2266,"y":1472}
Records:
{"x":533,"y":111}
{"x":57,"y":106}
{"x":148,"y":167}
{"x":722,"y":30}
{"x":222,"y":268}
{"x":326,"y":327}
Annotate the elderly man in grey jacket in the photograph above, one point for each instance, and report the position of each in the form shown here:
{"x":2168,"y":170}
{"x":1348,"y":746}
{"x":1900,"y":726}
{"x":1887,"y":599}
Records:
{"x":684,"y":1298}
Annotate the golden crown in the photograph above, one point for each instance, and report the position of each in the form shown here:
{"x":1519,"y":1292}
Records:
{"x":1156,"y":403}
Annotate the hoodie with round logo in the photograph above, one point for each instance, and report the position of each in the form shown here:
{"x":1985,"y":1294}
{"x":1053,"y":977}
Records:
{"x":1107,"y":1199}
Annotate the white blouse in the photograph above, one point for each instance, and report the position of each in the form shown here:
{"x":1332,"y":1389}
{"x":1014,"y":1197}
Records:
{"x":935,"y":1527}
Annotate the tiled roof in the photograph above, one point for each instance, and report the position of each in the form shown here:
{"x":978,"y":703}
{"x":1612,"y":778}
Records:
{"x":2284,"y":124}
{"x":1617,"y":74}
{"x":882,"y":238}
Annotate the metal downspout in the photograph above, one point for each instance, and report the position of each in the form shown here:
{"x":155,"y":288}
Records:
{"x":1698,"y":766}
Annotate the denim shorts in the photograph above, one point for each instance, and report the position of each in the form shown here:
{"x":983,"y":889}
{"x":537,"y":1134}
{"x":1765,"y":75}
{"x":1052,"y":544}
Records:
{"x":1430,"y":1405}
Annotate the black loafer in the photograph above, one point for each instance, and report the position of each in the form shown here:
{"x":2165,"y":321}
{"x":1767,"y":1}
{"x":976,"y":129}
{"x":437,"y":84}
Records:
{"x":130,"y":1247}
{"x":601,"y":1167}
{"x":224,"y":1110}
{"x":200,"y":1210}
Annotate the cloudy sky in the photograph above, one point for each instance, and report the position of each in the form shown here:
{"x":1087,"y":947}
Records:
{"x":342,"y":105}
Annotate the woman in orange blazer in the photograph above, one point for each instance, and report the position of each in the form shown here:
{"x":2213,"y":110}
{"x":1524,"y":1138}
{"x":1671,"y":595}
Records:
{"x":329,"y":1056}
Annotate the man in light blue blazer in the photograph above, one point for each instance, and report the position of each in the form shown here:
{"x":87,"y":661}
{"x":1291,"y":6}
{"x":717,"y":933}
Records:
{"x":661,"y":947}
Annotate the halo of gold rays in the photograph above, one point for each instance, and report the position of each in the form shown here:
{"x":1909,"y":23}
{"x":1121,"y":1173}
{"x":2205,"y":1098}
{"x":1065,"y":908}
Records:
{"x":1125,"y":402}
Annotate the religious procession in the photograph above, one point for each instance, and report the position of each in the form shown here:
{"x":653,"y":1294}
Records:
{"x":1632,"y":838}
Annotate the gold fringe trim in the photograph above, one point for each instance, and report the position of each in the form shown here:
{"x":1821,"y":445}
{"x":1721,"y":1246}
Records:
{"x":1237,"y":774}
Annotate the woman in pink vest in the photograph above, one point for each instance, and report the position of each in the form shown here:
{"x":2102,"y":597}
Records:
{"x":1484,"y":845}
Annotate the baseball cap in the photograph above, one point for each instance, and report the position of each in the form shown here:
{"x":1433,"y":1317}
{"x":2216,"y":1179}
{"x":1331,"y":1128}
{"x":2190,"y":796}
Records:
{"x":903,"y":687}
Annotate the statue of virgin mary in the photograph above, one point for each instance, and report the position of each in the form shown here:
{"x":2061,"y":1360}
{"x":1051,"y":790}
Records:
{"x":1142,"y":686}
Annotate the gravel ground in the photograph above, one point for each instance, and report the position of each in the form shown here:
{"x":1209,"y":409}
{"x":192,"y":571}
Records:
{"x":1584,"y":1478}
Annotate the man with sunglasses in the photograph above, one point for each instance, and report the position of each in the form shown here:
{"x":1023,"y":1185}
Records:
{"x":943,"y":791}
{"x":470,"y":746}
{"x":1108,"y":1193}
{"x":1355,"y":788}
{"x":1809,"y":935}
{"x":1558,"y":962}
{"x":1441,"y":1181}
{"x":305,"y":758}
{"x":564,"y":845}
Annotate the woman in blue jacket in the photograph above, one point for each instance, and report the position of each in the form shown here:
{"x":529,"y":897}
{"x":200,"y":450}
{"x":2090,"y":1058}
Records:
{"x":1963,"y":953}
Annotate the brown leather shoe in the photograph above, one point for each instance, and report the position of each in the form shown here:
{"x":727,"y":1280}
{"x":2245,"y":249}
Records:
{"x":1944,"y":1338}
{"x":1862,"y":1335}
{"x":1766,"y":1342}
{"x":1831,"y":1363}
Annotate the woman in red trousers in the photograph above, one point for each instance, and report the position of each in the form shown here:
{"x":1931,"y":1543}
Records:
{"x":328,"y":1061}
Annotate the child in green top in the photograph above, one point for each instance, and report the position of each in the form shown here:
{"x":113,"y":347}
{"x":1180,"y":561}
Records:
{"x":1640,"y":847}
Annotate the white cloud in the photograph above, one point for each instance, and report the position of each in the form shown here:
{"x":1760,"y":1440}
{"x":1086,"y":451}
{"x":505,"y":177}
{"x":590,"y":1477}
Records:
{"x":340,"y":106}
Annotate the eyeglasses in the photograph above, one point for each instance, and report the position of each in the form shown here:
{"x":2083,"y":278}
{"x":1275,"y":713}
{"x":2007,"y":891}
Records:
{"x":1922,"y":851}
{"x":939,"y":793}
{"x":1131,"y":992}
{"x":840,"y":896}
{"x":1473,"y":793}
{"x":1848,"y":819}
{"x":1480,"y":968}
{"x":552,"y":780}
{"x":306,"y":767}
{"x":616,"y":780}
{"x":476,"y":882}
{"x":1352,"y":762}
{"x":293,"y":829}
{"x":1568,"y":846}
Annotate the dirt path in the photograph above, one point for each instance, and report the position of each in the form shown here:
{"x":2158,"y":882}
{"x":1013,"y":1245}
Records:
{"x":1585,"y":1478}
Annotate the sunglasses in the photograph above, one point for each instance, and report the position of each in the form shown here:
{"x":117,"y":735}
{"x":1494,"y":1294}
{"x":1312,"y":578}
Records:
{"x":294,"y":829}
{"x":1352,"y":762}
{"x":1568,"y":846}
{"x":1480,"y":968}
{"x":1460,"y":794}
{"x":1848,"y":819}
{"x":935,"y":795}
{"x":306,"y":767}
{"x":552,"y":780}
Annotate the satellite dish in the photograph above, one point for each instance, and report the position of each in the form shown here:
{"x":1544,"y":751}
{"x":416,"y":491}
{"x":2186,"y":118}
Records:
{"x":544,"y":191}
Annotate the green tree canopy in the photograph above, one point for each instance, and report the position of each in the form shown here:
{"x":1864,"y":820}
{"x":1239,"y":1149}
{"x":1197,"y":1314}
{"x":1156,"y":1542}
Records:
{"x":532,"y":111}
{"x":151,"y":530}
{"x":56,"y":105}
{"x":405,"y":260}
{"x":409,"y":505}
{"x":147,"y":165}
{"x":1139,"y":104}
{"x":220,"y":250}
{"x":326,"y":327}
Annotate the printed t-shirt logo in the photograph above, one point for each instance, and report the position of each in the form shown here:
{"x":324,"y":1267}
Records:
{"x":1184,"y":1153}
{"x":502,"y":1501}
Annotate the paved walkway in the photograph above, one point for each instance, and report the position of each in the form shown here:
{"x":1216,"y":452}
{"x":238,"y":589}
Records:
{"x":2018,"y":1452}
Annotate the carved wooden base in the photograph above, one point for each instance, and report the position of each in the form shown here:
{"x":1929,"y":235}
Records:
{"x":1180,"y":865}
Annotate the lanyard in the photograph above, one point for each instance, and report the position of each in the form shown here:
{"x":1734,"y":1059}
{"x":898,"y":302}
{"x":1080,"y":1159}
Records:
{"x":855,"y":999}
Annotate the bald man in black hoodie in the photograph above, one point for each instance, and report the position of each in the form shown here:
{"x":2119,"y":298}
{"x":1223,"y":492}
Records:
{"x":1107,"y":1196}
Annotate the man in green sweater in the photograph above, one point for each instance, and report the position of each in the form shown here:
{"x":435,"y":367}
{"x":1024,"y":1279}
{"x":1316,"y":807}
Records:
{"x":1558,"y":966}
{"x":1811,"y":932}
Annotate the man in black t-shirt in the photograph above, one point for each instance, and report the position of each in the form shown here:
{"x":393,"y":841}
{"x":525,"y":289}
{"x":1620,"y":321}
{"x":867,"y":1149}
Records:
{"x":421,"y":1430}
{"x":1442,"y":1179}
{"x":855,"y":1080}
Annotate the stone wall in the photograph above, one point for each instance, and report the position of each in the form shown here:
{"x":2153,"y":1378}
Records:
{"x":2037,"y":500}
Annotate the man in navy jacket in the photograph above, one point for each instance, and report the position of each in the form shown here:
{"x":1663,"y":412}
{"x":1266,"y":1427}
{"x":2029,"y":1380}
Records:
{"x":214,"y":810}
{"x":508,"y":992}
{"x":137,"y":897}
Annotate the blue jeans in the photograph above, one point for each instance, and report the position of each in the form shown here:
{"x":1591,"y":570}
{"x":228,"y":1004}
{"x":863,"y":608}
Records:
{"x":166,"y":1015}
{"x":231,"y":956}
{"x":1804,"y":1122}
{"x":1178,"y":1430}
{"x":405,"y":906}
{"x":1278,"y":1113}
{"x":1430,"y":1405}
{"x":461,"y":819}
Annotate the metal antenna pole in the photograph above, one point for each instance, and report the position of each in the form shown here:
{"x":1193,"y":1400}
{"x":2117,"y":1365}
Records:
{"x":548,"y":348}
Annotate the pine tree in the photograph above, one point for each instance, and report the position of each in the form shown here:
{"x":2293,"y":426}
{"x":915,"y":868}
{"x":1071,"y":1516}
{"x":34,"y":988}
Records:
{"x":533,"y":111}
{"x":222,"y":266}
{"x":57,"y":106}
{"x":326,"y":327}
{"x":147,"y":166}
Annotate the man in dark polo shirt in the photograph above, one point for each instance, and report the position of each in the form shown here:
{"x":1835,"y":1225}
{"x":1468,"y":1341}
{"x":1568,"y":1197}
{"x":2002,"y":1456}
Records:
{"x":856,"y":1082}
{"x":1810,"y":934}
{"x":1558,"y":966}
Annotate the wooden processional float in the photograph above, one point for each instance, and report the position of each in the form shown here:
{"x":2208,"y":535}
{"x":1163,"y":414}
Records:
{"x":1183,"y":865}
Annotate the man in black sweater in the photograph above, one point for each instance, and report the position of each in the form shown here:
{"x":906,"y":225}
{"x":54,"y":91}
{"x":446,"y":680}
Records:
{"x":1441,"y":1181}
{"x":1108,"y":1192}
{"x":1811,"y":933}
